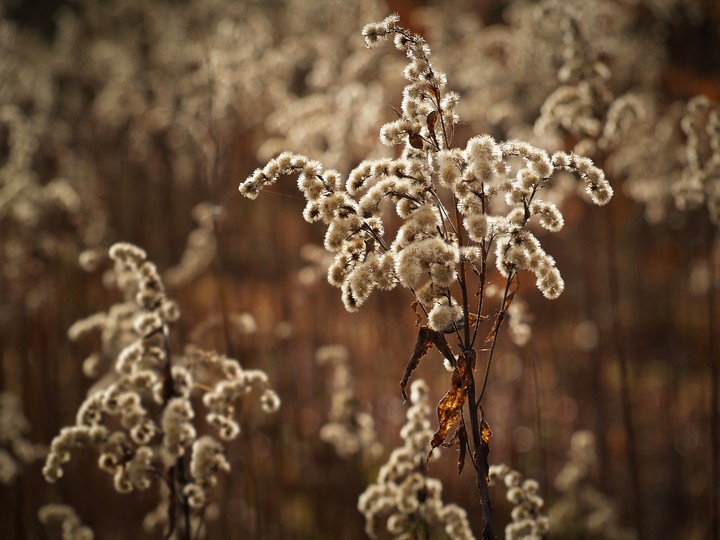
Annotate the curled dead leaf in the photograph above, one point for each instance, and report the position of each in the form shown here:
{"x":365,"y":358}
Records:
{"x":416,"y":141}
{"x":432,"y":119}
{"x":422,"y":346}
{"x":425,"y":340}
{"x":485,"y":432}
{"x":450,"y":406}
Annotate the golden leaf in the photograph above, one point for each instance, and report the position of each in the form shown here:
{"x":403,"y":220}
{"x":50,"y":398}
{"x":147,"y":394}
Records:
{"x":450,"y":406}
{"x":485,"y":432}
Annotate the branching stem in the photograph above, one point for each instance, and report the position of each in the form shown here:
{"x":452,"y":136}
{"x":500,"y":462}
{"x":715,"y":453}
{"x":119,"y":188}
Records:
{"x":496,"y":331}
{"x":480,"y":447}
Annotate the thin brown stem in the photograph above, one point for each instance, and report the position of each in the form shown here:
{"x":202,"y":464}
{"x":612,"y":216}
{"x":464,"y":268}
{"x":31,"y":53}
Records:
{"x":443,"y":214}
{"x":532,"y":356}
{"x":481,"y":293}
{"x":178,"y":472}
{"x":462,"y":279}
{"x":483,"y":269}
{"x":496,"y":331}
{"x":480,"y":446}
{"x":481,"y":449}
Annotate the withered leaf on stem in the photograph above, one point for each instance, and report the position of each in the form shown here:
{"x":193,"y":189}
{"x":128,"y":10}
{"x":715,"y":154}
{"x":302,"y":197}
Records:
{"x":485,"y":432}
{"x":432,"y":119}
{"x":425,"y":340}
{"x":416,"y":140}
{"x":422,"y":346}
{"x":450,"y":406}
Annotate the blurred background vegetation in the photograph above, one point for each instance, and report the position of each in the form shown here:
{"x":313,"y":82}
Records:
{"x":118,"y":118}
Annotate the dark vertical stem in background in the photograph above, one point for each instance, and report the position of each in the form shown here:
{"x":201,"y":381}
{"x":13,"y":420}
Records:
{"x":222,"y":288}
{"x":227,"y":335}
{"x":625,"y":398}
{"x":215,"y":189}
{"x":590,"y":268}
{"x":714,"y":390}
{"x":177,"y":475}
{"x":532,"y":356}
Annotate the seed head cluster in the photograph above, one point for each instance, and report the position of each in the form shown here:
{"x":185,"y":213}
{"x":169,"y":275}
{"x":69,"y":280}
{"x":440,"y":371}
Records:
{"x":700,"y":181}
{"x":349,"y":430}
{"x":528,"y":521}
{"x":143,"y":417}
{"x":15,"y":449}
{"x":490,"y":189}
{"x":582,"y":509}
{"x":70,"y":524}
{"x":404,"y":494}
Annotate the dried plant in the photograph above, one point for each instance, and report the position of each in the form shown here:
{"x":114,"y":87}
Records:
{"x":528,"y":521}
{"x":142,"y":419}
{"x":404,"y":494}
{"x":70,"y":524}
{"x":700,"y":182}
{"x":15,"y":449}
{"x":334,"y":112}
{"x":348,"y":429}
{"x":700,"y":185}
{"x":200,"y":250}
{"x":459,"y":206}
{"x":582,"y":511}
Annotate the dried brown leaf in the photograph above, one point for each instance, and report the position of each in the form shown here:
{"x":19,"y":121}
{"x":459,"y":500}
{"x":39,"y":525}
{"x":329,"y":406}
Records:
{"x":422,"y":346}
{"x":425,"y":340}
{"x":441,"y":343}
{"x":432,"y":119}
{"x":450,"y":406}
{"x":485,"y":432}
{"x":416,"y":141}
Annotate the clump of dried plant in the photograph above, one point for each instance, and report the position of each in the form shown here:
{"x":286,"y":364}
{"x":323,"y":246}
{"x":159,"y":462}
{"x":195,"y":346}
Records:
{"x":528,"y":520}
{"x":404,"y":494}
{"x":142,"y":416}
{"x":15,"y":449}
{"x":461,"y":209}
{"x":70,"y":524}
{"x":349,"y":430}
{"x":582,"y":510}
